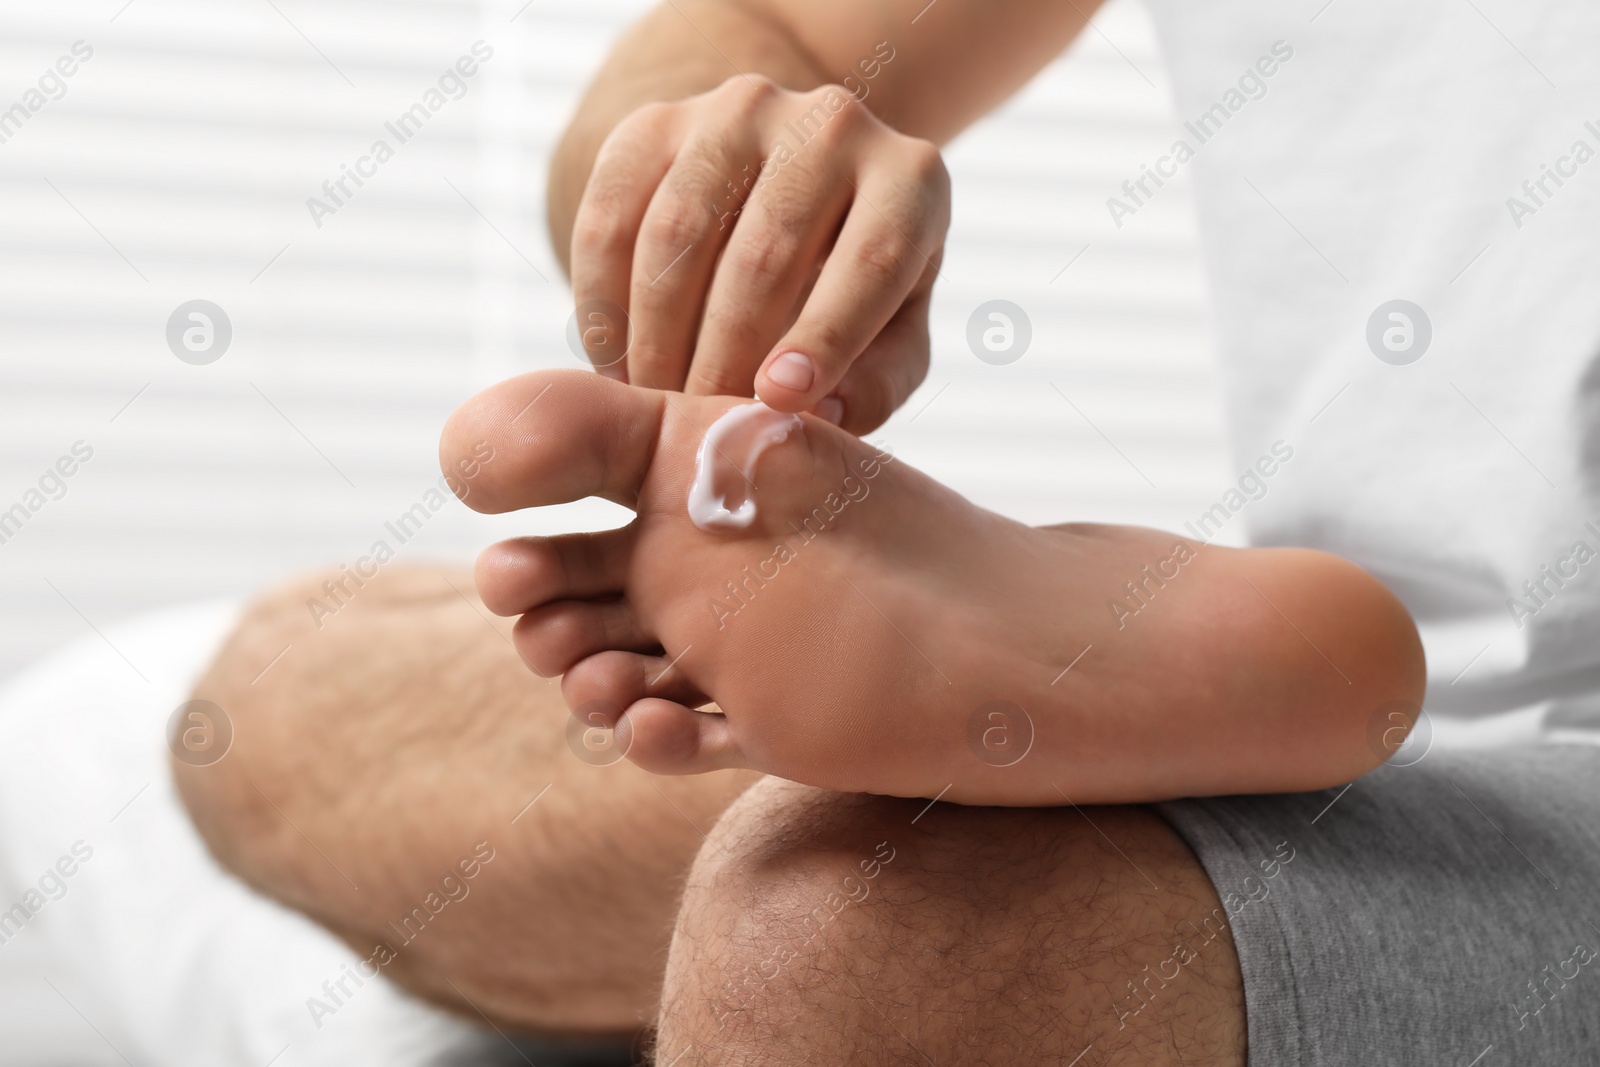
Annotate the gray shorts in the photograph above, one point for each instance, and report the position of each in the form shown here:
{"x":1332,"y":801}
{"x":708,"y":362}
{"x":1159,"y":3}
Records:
{"x":1445,"y":913}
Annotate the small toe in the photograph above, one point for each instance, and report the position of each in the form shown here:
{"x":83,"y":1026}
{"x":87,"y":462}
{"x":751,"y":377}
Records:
{"x":664,"y":737}
{"x":518,"y":575}
{"x":553,"y":637}
{"x":625,"y":677}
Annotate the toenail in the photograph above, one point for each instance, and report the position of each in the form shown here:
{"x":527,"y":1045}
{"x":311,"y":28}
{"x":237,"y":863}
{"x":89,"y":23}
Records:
{"x":831,"y":409}
{"x":792,"y":370}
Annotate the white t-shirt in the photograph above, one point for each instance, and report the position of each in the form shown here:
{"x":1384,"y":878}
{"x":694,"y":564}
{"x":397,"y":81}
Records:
{"x":1350,"y":155}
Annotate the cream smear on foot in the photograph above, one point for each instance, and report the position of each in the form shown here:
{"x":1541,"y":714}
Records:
{"x":722,"y":496}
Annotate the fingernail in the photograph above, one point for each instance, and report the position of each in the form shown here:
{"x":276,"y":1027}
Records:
{"x":831,"y":409}
{"x":792,"y":371}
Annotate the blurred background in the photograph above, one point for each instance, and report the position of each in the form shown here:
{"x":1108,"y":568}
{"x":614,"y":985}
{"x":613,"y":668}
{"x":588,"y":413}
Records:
{"x":177,"y":165}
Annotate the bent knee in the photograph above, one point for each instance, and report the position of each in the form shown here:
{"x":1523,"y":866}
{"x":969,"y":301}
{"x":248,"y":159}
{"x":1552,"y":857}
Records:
{"x":790,"y":876}
{"x":958,"y":933}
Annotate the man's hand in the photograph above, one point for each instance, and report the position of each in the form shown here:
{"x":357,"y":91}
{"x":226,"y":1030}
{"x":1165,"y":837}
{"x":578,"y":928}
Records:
{"x":752,"y":190}
{"x":766,"y":240}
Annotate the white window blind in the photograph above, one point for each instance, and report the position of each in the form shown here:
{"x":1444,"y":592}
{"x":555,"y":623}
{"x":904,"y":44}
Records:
{"x":178,"y":164}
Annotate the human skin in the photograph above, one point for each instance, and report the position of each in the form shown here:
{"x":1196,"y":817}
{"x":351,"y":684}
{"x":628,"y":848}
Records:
{"x":853,"y":633}
{"x":827,"y":928}
{"x":997,"y":879}
{"x":391,"y":739}
{"x":670,"y":197}
{"x":404,"y":730}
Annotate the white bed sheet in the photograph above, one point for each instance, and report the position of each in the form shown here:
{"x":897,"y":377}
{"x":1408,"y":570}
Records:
{"x":151,"y":953}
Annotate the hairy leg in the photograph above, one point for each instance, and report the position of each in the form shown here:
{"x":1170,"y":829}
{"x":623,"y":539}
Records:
{"x":380,"y":780}
{"x":830,"y":928}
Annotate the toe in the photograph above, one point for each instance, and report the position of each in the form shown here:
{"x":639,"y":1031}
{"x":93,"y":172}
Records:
{"x":518,"y":575}
{"x":625,"y":677}
{"x":553,"y":637}
{"x":664,"y":737}
{"x":551,"y":437}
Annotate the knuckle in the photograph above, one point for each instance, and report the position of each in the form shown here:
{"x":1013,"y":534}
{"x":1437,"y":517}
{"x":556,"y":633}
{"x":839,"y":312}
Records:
{"x":833,"y":343}
{"x":788,"y":207}
{"x":765,"y":261}
{"x":746,"y":86}
{"x":647,"y":358}
{"x":869,"y":398}
{"x":828,"y":115}
{"x":920,"y":202}
{"x":848,"y":110}
{"x":748,"y":91}
{"x":845,"y":118}
{"x":660,"y":366}
{"x":640,"y":130}
{"x":678,"y":225}
{"x":834,"y":137}
{"x":599,"y":227}
{"x":926,"y":163}
{"x":647,"y":117}
{"x":882,"y":260}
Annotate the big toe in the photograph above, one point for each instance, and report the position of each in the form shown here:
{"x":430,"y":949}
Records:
{"x":548,"y":438}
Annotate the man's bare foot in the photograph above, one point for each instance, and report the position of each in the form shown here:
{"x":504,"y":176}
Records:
{"x":873,"y":631}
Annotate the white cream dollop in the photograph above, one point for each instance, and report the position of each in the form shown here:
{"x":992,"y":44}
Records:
{"x":722,"y":495}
